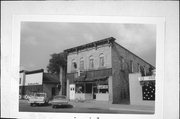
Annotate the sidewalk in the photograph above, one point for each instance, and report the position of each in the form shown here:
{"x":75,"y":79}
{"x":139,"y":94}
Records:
{"x":118,"y":107}
{"x":137,"y":108}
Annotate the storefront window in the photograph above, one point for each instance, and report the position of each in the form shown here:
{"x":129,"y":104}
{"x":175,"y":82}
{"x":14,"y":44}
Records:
{"x":103,"y":88}
{"x":88,"y":88}
{"x":80,"y":88}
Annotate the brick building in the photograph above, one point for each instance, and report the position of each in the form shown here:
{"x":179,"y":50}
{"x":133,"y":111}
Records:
{"x":99,"y":71}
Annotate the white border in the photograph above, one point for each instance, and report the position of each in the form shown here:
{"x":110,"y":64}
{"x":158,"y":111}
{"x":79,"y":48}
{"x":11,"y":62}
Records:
{"x":159,"y":22}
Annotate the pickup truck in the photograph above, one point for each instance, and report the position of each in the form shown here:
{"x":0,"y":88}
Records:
{"x":38,"y":98}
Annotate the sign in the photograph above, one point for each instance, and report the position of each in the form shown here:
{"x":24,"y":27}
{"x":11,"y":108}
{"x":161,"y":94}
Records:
{"x":34,"y":79}
{"x":102,"y":86}
{"x":146,"y":78}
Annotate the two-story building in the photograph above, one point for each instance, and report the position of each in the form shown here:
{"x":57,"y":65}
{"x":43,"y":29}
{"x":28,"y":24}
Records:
{"x":99,"y":71}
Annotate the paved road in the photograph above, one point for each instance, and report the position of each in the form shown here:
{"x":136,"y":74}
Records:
{"x":71,"y":108}
{"x":25,"y":107}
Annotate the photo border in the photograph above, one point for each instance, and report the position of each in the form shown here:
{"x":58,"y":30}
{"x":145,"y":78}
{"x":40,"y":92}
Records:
{"x":160,"y":30}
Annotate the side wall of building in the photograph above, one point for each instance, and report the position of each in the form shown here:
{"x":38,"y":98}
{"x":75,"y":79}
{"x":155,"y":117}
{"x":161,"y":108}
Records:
{"x":123,"y":63}
{"x":48,"y":89}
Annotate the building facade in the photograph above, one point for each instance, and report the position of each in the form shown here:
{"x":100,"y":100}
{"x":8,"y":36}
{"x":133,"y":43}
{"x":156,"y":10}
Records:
{"x":37,"y":81}
{"x":100,"y":71}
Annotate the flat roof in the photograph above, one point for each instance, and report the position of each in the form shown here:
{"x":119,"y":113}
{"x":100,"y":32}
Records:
{"x":32,"y":72}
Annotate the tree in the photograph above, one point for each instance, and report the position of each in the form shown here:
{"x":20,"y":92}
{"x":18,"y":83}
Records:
{"x":57,"y":65}
{"x":57,"y":60}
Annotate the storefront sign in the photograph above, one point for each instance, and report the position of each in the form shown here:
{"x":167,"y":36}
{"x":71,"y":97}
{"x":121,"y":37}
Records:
{"x":102,"y":86}
{"x":34,"y":79}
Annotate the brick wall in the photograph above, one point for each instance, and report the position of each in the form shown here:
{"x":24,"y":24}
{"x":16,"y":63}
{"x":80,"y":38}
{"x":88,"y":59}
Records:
{"x":48,"y":89}
{"x":121,"y":67}
{"x":95,"y":52}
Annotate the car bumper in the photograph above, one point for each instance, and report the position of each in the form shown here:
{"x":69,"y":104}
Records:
{"x":61,"y":103}
{"x":39,"y":102}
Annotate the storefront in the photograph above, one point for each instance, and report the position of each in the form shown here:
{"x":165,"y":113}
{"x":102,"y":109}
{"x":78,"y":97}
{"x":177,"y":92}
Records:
{"x":37,"y":81}
{"x":90,"y":89}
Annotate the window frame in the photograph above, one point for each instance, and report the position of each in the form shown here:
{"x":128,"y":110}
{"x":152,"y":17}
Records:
{"x":131,"y":66}
{"x":81,"y":64}
{"x":72,"y":65}
{"x":101,"y":56}
{"x":91,"y":62}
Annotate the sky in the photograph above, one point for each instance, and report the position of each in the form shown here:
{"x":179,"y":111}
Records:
{"x":41,"y":39}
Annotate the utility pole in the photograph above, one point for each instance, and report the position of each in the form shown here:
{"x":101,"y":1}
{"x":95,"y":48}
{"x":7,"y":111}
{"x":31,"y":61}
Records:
{"x":61,"y":79}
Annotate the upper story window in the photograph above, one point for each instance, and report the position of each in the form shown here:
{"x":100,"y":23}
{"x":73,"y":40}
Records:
{"x":131,"y":66}
{"x":101,"y":60}
{"x":73,"y":65}
{"x":138,"y":67}
{"x":19,"y":80}
{"x":91,"y":62}
{"x":81,"y":64}
{"x":144,"y":70}
{"x":122,"y":63}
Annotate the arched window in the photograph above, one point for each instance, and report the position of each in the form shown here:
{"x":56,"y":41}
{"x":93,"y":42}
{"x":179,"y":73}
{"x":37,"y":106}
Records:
{"x":101,"y":60}
{"x":81,"y":67}
{"x":91,"y":62}
{"x":73,"y":65}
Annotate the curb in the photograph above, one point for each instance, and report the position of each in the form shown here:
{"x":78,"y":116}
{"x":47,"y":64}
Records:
{"x":134,"y":110}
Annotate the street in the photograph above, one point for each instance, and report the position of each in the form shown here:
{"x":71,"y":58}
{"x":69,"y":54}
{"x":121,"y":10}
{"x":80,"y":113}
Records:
{"x":77,"y":108}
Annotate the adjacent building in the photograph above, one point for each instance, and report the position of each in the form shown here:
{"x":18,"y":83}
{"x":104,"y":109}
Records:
{"x":100,"y":71}
{"x":31,"y":82}
{"x":142,"y":89}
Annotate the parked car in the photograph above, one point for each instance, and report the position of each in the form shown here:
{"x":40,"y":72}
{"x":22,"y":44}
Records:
{"x":38,"y":98}
{"x":59,"y":100}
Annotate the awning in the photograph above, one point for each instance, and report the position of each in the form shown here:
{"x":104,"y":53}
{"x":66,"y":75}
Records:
{"x":94,"y":79}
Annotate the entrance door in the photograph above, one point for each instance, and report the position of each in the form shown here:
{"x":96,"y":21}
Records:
{"x":53,"y":91}
{"x":72,"y":91}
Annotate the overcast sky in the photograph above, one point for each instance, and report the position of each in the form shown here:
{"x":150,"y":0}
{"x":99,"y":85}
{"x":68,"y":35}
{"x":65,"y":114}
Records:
{"x":41,"y":39}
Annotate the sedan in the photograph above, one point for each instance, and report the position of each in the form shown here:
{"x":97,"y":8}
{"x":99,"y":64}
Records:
{"x":59,"y":100}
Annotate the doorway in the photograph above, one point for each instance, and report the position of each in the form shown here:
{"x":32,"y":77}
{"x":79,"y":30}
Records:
{"x":72,"y":91}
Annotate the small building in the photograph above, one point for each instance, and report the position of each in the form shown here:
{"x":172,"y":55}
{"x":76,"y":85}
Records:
{"x":100,"y":71}
{"x":142,"y":89}
{"x":31,"y":82}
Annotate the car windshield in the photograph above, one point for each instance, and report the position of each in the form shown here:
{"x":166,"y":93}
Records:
{"x":60,"y":97}
{"x":40,"y":95}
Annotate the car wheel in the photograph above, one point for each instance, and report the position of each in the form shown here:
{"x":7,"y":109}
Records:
{"x":33,"y":104}
{"x":46,"y":103}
